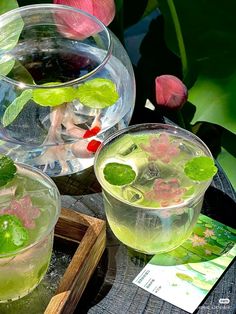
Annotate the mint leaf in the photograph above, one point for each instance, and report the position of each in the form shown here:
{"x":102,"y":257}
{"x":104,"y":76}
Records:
{"x":7,"y":169}
{"x":118,"y":174}
{"x":54,"y":96}
{"x":200,"y":168}
{"x":15,"y":107}
{"x":98,"y":93}
{"x":13,"y":235}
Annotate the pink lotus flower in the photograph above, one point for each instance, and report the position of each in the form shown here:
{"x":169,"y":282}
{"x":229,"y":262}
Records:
{"x":170,"y":91}
{"x":167,"y":192}
{"x":75,"y":25}
{"x":161,"y":148}
{"x":24,"y":210}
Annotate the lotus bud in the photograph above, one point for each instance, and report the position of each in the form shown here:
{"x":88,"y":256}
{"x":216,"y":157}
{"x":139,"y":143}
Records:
{"x":170,"y":92}
{"x":76,"y":26}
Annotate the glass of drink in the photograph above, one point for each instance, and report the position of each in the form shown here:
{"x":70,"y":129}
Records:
{"x":66,"y":82}
{"x":29,"y":210}
{"x":153,"y":177}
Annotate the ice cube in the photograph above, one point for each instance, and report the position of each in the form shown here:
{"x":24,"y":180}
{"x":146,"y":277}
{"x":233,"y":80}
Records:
{"x":129,"y":150}
{"x":186,"y":149}
{"x":132,"y":194}
{"x":7,"y":194}
{"x":127,"y":146}
{"x":149,"y":172}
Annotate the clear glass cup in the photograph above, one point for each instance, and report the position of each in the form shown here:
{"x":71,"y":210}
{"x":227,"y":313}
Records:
{"x":32,"y":201}
{"x":47,"y":52}
{"x":156,"y":210}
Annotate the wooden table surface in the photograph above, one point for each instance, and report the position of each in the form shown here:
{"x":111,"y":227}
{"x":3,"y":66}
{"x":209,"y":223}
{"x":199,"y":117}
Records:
{"x":111,"y":290}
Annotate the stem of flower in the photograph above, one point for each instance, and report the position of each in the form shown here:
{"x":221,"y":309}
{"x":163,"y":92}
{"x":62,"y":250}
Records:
{"x":98,"y":41}
{"x":180,"y":119}
{"x":179,"y":36}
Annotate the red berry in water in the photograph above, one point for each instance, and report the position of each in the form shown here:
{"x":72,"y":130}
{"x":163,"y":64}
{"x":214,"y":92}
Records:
{"x":93,"y":146}
{"x":92,"y":132}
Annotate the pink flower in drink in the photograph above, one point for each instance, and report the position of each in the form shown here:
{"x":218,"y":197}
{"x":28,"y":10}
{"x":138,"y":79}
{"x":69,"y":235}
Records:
{"x":77,"y":26}
{"x":161,"y":148}
{"x":24,"y":210}
{"x":167,"y":192}
{"x":170,"y":91}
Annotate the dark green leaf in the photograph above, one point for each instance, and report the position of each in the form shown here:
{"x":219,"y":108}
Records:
{"x":7,"y":169}
{"x":228,"y":162}
{"x":205,"y":39}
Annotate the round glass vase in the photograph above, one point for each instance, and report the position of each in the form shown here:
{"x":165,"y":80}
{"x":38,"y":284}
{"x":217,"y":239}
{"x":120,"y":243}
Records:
{"x":30,"y":206}
{"x":66,"y":83}
{"x":157,"y":210}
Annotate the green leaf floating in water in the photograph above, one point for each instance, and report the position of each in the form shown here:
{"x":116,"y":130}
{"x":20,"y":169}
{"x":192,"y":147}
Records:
{"x":7,"y":169}
{"x":118,"y":174}
{"x":54,"y":96}
{"x":15,"y":107}
{"x":13,"y":235}
{"x":200,"y":168}
{"x":98,"y":93}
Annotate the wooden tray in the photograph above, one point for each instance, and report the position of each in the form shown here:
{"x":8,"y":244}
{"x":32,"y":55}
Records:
{"x":90,"y":235}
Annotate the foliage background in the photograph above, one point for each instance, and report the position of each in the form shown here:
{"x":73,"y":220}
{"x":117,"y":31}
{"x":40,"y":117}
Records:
{"x":194,"y":40}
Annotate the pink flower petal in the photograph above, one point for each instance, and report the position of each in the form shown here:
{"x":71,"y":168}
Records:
{"x":170,"y":91}
{"x":74,"y":25}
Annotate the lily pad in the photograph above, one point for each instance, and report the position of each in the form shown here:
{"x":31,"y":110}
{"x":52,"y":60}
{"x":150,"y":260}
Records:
{"x":13,"y":235}
{"x":53,"y":96}
{"x":98,"y":93}
{"x":119,"y":174}
{"x":200,"y":168}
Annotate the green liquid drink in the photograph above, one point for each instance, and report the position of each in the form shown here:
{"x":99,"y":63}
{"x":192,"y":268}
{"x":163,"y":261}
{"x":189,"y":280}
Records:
{"x":29,"y":209}
{"x":153,"y":177}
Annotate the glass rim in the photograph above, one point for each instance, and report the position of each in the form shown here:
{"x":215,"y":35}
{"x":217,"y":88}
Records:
{"x":153,"y":126}
{"x":53,"y":221}
{"x":67,"y":8}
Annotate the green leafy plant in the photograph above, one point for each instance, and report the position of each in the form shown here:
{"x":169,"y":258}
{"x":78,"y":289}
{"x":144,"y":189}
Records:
{"x":202,"y":40}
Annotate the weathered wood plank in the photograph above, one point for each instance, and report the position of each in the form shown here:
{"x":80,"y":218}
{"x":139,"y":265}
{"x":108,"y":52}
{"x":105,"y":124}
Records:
{"x":91,"y":235}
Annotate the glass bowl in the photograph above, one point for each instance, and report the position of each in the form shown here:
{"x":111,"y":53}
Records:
{"x":66,"y":83}
{"x":29,"y":209}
